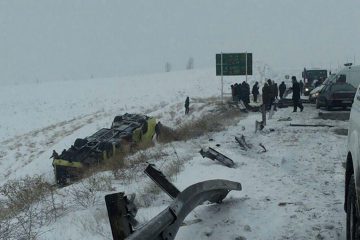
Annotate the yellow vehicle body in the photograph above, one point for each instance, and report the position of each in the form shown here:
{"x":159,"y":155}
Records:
{"x":92,"y":151}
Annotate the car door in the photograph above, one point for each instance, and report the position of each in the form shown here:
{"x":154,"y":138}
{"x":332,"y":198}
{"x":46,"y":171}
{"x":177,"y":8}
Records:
{"x":323,"y":94}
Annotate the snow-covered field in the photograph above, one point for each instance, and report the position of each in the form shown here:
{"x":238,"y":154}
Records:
{"x":292,"y":191}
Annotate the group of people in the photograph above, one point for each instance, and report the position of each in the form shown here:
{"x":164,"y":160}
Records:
{"x":270,"y":92}
{"x":241,"y":92}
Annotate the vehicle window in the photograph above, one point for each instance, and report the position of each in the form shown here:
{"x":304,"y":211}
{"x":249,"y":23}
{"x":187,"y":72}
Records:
{"x":342,"y":87}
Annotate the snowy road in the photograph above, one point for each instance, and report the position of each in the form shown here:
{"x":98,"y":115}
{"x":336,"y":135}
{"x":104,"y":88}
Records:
{"x":293,"y":191}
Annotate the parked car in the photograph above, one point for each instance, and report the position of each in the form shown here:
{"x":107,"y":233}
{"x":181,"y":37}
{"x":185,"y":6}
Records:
{"x":336,"y":94}
{"x":352,"y":174}
{"x":315,"y":93}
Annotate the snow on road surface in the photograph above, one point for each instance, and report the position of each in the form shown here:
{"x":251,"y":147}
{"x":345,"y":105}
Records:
{"x":294,"y":190}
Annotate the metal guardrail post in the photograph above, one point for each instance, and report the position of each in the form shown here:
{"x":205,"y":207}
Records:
{"x":118,"y":212}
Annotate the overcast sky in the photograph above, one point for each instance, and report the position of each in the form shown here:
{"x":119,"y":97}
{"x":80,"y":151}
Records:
{"x":74,"y":39}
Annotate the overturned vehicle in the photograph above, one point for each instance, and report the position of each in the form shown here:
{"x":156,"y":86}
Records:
{"x":125,"y":132}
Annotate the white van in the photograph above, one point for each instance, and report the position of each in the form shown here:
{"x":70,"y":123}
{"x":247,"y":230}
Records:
{"x":352,"y":75}
{"x":352,"y":174}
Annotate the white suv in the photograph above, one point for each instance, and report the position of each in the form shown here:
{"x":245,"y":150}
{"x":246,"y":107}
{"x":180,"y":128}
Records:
{"x":352,"y":176}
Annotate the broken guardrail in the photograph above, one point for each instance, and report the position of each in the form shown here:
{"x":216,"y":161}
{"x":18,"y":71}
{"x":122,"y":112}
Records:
{"x":159,"y":178}
{"x":122,"y":210}
{"x":166,"y":224}
{"x":215,"y":155}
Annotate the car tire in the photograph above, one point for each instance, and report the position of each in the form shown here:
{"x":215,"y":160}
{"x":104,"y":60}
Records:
{"x":352,"y":218}
{"x":317,"y":104}
{"x":80,"y":142}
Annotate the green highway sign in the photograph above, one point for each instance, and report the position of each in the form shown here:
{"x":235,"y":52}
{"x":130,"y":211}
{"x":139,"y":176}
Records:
{"x":234,"y":64}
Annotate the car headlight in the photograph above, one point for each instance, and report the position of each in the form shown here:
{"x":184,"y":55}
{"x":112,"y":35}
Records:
{"x":306,"y":89}
{"x":316,"y":94}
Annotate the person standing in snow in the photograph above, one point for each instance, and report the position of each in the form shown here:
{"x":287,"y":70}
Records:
{"x":266,"y":95}
{"x":158,"y":130}
{"x":296,"y":95}
{"x":255,"y":91}
{"x":240,"y":92}
{"x":187,"y":104}
{"x":282,"y":89}
{"x":246,"y":93}
{"x":232,"y":92}
{"x":271,"y":93}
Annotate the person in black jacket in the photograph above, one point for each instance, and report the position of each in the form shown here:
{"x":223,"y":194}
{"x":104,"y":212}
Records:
{"x":239,"y":92}
{"x":246,"y":93}
{"x":255,"y":91}
{"x":187,"y":103}
{"x":296,"y":95}
{"x":266,"y":96}
{"x":271,"y":93}
{"x":158,"y":130}
{"x":282,"y":89}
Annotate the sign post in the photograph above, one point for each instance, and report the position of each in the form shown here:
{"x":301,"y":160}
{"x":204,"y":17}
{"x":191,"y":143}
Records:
{"x":222,"y":80}
{"x":246,"y":68}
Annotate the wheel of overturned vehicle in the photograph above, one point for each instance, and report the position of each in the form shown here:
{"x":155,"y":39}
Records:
{"x":80,"y":142}
{"x":352,"y":218}
{"x":118,"y":119}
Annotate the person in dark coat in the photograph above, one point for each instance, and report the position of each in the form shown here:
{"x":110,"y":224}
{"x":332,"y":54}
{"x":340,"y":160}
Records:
{"x":266,"y":95}
{"x":301,"y":84}
{"x":271,"y":93}
{"x":282,"y":89}
{"x":187,"y":104}
{"x":240,"y":91}
{"x":246,"y":93}
{"x":296,"y":95}
{"x":232,"y":92}
{"x":255,"y":91}
{"x":158,"y":130}
{"x":236,"y":98}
